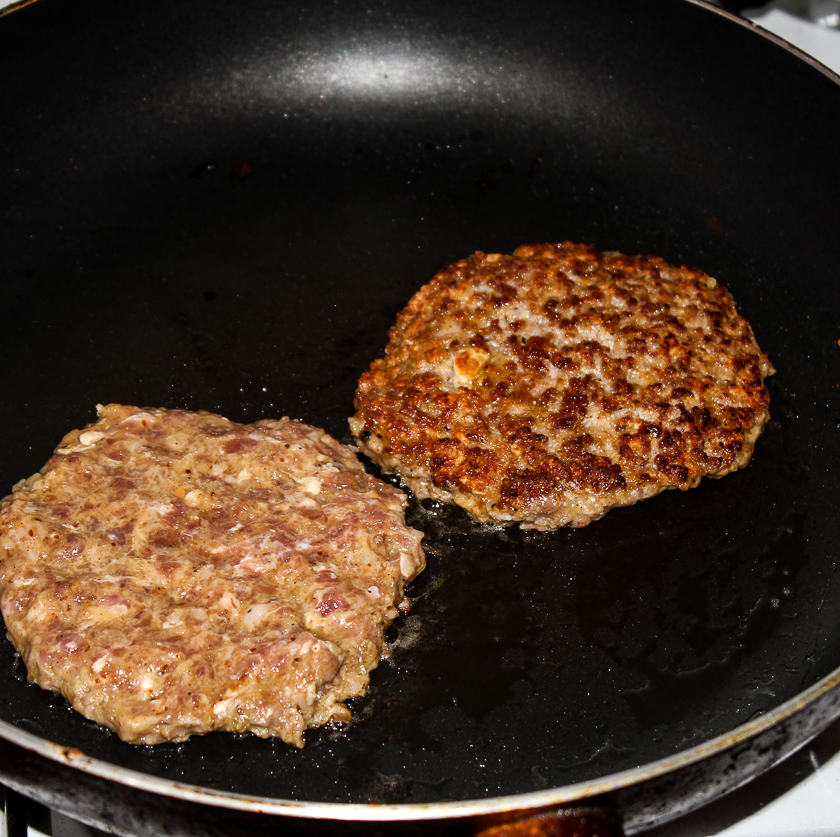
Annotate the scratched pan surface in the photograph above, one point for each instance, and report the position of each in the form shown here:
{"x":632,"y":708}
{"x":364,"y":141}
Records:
{"x":223,"y":206}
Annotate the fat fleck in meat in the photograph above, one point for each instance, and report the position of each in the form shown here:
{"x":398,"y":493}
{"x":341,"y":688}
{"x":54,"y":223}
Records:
{"x":549,"y":386}
{"x":174,"y":573}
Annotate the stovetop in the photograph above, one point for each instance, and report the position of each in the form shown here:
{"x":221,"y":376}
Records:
{"x":801,"y":796}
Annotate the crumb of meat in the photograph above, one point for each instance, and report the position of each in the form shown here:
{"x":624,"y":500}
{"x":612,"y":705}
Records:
{"x":174,"y":573}
{"x":551,"y":385}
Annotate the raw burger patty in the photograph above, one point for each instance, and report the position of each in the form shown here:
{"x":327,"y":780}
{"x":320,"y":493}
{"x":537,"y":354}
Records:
{"x":550,"y":386}
{"x":174,"y":573}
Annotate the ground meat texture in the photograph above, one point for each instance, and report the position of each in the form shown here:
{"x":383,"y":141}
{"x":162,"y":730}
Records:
{"x":550,"y":386}
{"x":174,"y":573}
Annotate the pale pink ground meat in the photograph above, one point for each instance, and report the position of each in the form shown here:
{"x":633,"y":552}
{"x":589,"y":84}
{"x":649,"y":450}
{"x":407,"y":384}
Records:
{"x":174,"y":573}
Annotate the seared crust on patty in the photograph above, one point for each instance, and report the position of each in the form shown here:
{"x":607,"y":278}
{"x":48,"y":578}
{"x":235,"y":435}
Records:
{"x":174,"y":573}
{"x":550,"y":386}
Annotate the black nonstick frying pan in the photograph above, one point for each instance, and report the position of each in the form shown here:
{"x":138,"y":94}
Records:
{"x":223,"y":205}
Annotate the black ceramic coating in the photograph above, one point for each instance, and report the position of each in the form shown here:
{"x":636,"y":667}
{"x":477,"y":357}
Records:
{"x":223,"y":205}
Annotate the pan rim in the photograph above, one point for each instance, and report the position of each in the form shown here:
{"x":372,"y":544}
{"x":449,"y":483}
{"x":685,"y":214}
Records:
{"x":392,"y":812}
{"x":770,"y":36}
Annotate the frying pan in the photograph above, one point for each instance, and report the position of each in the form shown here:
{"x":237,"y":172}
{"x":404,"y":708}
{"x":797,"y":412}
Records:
{"x":222,"y":206}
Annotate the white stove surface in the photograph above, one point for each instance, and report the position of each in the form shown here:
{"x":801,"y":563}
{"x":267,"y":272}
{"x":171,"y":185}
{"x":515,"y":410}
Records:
{"x":801,"y":796}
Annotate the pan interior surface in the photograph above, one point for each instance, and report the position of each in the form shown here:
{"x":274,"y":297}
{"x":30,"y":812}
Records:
{"x":223,"y":207}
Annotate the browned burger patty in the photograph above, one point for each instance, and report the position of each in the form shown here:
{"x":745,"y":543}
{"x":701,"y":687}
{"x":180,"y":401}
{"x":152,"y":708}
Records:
{"x":549,"y":386}
{"x":173,"y":573}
